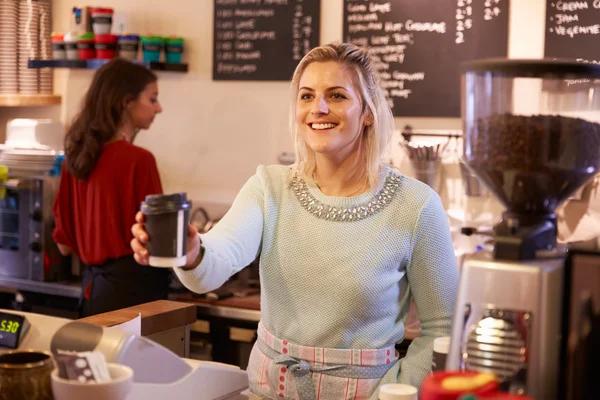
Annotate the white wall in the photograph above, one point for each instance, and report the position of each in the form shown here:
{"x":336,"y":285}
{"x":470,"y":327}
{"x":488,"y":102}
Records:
{"x":212,"y":135}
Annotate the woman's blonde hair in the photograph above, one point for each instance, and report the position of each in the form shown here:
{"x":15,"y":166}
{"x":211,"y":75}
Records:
{"x":376,"y":136}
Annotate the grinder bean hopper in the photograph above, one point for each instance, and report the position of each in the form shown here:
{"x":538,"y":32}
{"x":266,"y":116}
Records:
{"x":532,"y":136}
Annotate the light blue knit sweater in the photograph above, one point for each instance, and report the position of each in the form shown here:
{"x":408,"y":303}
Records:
{"x":345,"y":284}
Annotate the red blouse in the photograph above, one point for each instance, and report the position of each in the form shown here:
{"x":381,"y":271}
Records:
{"x":94,"y":216}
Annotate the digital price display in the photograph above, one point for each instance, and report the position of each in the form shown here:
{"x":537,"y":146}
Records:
{"x":11,"y":326}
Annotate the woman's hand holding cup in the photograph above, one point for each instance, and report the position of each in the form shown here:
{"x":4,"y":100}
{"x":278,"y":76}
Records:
{"x":140,"y":240}
{"x":159,"y":235}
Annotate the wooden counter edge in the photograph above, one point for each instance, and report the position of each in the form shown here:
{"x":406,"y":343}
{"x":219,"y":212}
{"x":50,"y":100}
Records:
{"x":157,"y":316}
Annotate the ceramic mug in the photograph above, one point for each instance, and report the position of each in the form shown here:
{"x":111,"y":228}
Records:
{"x":25,"y":375}
{"x":117,"y":388}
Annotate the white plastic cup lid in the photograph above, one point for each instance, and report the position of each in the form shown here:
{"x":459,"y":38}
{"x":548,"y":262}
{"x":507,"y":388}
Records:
{"x":397,"y":391}
{"x":441,"y":344}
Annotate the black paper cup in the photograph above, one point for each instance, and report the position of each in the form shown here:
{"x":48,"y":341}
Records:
{"x":167,"y":218}
{"x":441,"y":348}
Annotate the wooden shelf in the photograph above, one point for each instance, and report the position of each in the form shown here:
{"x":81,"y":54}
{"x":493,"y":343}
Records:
{"x":95,"y":64}
{"x":33,"y":100}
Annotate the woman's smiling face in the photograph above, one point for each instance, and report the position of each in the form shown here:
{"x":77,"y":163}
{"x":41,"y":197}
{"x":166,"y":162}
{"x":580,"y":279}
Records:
{"x":329,"y":110}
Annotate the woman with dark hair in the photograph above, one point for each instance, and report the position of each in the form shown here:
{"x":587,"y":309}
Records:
{"x":103,"y":181}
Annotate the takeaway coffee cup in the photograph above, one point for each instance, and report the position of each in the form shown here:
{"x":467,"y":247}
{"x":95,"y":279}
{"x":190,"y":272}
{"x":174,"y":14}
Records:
{"x":167,"y":218}
{"x":441,"y":347}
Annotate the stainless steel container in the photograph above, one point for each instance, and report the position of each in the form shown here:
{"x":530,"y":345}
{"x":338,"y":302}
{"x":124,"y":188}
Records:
{"x":429,"y":172}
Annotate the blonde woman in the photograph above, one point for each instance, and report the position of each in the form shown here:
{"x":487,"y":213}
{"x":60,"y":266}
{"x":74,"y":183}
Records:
{"x":345,"y":243}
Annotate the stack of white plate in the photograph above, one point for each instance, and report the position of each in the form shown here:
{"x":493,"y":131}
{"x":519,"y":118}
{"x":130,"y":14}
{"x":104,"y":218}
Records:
{"x":9,"y":18}
{"x":45,"y":8}
{"x":29,"y":45}
{"x":28,"y":162}
{"x":37,"y":134}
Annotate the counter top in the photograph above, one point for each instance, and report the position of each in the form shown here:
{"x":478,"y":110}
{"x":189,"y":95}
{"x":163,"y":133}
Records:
{"x":248,"y":309}
{"x":65,"y":289}
{"x":238,"y":308}
{"x":250,"y":302}
{"x":157,"y":316}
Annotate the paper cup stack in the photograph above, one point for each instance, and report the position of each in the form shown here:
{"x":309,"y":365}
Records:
{"x":29,"y":45}
{"x":45,"y":9}
{"x":9,"y":24}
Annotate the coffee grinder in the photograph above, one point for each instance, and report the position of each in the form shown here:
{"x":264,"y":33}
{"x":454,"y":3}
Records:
{"x":531,"y":135}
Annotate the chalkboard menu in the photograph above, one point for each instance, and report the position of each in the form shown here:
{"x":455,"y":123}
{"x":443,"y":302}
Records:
{"x":418,"y":46}
{"x":262,"y":39}
{"x":573,"y":30}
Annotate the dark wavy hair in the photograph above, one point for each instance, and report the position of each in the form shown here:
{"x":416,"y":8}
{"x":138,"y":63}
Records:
{"x":115,"y":83}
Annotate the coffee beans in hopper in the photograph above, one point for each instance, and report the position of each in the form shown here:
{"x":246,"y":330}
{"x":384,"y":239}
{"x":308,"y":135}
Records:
{"x":533,"y":163}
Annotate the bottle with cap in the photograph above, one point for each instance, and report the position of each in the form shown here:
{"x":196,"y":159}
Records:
{"x":398,"y":391}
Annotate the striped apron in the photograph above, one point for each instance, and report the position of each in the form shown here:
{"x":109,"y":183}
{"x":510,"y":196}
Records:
{"x":278,"y":369}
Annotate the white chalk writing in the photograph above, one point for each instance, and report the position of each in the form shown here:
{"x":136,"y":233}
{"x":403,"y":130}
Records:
{"x":390,"y":39}
{"x":244,"y":32}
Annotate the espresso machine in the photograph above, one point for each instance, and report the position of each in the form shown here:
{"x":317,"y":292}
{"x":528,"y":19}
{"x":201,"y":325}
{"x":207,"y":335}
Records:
{"x":532,"y":136}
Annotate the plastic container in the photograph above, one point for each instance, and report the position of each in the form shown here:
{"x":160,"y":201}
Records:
{"x":128,"y":46}
{"x":101,"y":20}
{"x":58,"y":46}
{"x":437,"y":386}
{"x":106,"y":46}
{"x":532,"y":136}
{"x":173,"y":49}
{"x":86,"y":46}
{"x":152,"y":47}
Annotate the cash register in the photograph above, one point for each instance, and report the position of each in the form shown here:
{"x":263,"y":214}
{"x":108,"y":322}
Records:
{"x":158,"y":372}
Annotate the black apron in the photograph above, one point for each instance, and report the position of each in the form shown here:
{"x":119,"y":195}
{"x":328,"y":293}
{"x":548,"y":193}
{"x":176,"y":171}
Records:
{"x":121,"y":283}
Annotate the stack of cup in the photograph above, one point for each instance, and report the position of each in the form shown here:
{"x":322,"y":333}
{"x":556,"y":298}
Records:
{"x":101,"y":20}
{"x":28,"y":46}
{"x":45,"y":46}
{"x":71,"y":50}
{"x":9,"y":28}
{"x":86,"y":46}
{"x":152,"y":47}
{"x":128,"y":46}
{"x":173,"y":49}
{"x":58,"y":46}
{"x":106,"y":46}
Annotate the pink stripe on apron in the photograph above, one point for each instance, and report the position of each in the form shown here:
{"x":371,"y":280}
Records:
{"x":276,"y":382}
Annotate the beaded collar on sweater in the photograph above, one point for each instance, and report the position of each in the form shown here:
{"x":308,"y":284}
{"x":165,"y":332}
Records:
{"x":352,"y":213}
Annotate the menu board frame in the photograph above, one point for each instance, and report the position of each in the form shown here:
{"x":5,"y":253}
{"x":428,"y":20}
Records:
{"x":262,"y":40}
{"x":419,"y":45}
{"x":572,"y":30}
